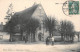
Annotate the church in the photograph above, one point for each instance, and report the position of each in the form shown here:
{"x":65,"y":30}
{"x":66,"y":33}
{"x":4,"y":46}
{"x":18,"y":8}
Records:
{"x":35,"y":11}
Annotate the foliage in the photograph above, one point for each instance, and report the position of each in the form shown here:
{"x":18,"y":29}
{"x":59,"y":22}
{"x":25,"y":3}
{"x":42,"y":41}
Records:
{"x":50,"y":24}
{"x":31,"y":27}
{"x":67,"y":30}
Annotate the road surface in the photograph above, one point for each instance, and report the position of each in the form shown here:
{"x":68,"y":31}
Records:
{"x":39,"y":47}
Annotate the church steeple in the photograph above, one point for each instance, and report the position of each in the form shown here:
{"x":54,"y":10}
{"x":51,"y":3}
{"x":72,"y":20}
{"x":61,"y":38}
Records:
{"x":34,"y":3}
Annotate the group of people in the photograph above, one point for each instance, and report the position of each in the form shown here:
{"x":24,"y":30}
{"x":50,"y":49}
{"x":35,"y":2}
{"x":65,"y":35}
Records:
{"x":50,"y":40}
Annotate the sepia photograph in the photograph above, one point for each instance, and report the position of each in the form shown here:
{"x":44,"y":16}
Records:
{"x":40,"y":26}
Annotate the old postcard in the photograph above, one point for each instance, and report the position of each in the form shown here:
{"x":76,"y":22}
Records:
{"x":40,"y":26}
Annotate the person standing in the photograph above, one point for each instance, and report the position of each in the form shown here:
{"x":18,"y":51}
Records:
{"x":52,"y":40}
{"x":47,"y":40}
{"x":26,"y":39}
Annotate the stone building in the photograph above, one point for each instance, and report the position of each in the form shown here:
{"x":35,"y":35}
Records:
{"x":36,"y":11}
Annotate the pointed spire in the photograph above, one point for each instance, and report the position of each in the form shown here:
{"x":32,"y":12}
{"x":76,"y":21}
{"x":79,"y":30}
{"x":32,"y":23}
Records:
{"x":34,"y":3}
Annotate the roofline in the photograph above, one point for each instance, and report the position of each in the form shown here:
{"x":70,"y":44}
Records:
{"x":42,"y":8}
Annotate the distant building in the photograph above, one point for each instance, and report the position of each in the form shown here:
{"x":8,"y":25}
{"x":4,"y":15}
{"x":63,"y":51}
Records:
{"x":1,"y":26}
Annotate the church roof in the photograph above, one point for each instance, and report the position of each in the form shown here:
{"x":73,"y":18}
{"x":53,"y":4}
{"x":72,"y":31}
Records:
{"x":27,"y":12}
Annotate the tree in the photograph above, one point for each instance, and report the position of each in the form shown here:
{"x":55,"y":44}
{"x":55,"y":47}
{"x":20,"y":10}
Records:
{"x":67,"y":31}
{"x":25,"y":24}
{"x":62,"y":28}
{"x":10,"y":26}
{"x":78,"y":36}
{"x":50,"y":24}
{"x":31,"y":28}
{"x":10,"y":12}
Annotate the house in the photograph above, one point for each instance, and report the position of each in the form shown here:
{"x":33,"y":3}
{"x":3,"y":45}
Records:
{"x":1,"y":30}
{"x":1,"y":26}
{"x":77,"y":37}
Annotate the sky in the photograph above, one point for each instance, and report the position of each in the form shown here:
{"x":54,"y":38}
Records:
{"x":50,"y":7}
